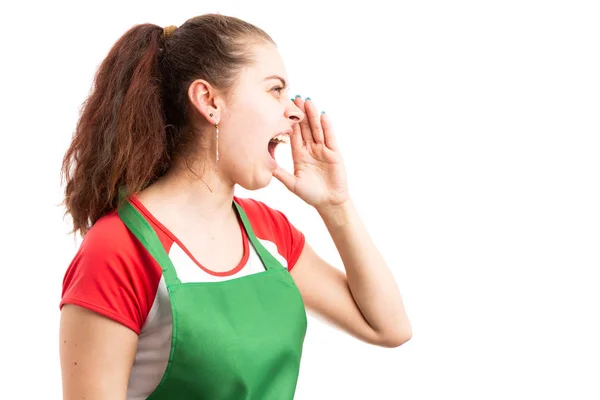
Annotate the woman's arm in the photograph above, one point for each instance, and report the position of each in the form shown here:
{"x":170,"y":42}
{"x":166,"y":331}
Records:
{"x":96,"y":355}
{"x":365,"y":301}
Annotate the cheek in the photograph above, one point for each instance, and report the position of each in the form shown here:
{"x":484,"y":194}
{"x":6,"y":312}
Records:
{"x":244,"y":146}
{"x":260,"y":112}
{"x":254,"y":129}
{"x":254,"y":121}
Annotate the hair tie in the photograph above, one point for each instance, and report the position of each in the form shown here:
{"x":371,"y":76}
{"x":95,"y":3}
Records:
{"x":168,"y":31}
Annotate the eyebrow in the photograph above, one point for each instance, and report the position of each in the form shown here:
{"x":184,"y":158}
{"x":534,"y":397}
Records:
{"x":283,"y":82}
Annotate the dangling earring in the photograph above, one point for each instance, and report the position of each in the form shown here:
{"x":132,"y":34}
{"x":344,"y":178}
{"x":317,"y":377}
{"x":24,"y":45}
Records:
{"x":217,"y":146}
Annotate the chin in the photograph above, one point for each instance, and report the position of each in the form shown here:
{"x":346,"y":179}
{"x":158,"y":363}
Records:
{"x":257,"y":182}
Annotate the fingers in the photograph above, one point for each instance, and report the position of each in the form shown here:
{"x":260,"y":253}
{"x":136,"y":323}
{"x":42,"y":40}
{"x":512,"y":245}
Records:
{"x":314,"y":121}
{"x":328,"y":134}
{"x":315,"y":127}
{"x":296,"y":139}
{"x":304,"y":125}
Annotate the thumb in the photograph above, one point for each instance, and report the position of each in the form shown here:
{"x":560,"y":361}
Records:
{"x":286,"y":178}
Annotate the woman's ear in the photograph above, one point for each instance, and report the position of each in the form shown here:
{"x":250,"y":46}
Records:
{"x":205,"y":100}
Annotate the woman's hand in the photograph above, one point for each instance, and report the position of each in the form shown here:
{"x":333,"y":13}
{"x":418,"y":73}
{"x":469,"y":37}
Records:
{"x":319,"y":174}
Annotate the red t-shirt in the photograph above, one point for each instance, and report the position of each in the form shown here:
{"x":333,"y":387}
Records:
{"x":114,"y":275}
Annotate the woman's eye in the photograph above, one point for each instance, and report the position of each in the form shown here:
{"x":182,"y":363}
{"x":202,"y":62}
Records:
{"x":277,"y":89}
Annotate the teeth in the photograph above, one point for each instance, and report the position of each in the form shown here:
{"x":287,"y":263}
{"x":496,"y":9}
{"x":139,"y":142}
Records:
{"x":282,"y":137}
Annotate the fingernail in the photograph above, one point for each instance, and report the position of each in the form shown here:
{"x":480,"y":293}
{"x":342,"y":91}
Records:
{"x":298,"y":96}
{"x":292,"y":99}
{"x":307,"y":99}
{"x":322,"y":112}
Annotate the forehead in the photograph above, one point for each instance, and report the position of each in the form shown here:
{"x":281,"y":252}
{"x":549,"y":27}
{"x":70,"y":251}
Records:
{"x":267,"y":62}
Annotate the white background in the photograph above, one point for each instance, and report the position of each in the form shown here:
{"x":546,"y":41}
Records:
{"x":471,"y":135}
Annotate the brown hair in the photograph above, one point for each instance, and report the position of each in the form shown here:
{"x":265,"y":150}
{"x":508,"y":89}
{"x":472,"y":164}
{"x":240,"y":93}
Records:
{"x":136,"y":118}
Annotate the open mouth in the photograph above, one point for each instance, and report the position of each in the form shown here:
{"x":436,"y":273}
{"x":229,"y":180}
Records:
{"x":280,"y":138}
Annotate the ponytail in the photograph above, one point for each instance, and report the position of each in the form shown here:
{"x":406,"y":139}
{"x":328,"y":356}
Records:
{"x":120,"y":137}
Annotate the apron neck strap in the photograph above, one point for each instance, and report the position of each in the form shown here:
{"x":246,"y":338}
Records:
{"x":138,"y":225}
{"x":266,"y":257}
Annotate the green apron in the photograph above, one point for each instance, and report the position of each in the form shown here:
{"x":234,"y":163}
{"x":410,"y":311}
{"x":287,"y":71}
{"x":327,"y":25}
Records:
{"x":239,"y":339}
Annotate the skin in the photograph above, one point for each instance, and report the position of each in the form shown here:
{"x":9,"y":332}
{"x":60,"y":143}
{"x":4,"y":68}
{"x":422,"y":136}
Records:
{"x":97,"y":353}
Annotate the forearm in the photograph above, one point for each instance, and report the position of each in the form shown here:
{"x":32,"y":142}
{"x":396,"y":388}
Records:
{"x":371,"y":282}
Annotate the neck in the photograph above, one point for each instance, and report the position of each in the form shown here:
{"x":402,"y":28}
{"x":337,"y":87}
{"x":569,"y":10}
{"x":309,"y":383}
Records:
{"x":204,"y":198}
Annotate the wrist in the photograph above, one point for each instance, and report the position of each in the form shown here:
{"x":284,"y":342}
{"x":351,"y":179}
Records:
{"x":336,"y":214}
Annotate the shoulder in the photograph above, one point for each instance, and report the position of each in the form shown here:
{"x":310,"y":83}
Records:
{"x":256,"y":208}
{"x":108,"y":236}
{"x":264,"y":218}
{"x":112,"y":274}
{"x":270,"y":224}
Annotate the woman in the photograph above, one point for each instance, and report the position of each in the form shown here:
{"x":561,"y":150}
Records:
{"x":181,"y":290}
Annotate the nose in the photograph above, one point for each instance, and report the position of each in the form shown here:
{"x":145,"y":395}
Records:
{"x":293,"y":112}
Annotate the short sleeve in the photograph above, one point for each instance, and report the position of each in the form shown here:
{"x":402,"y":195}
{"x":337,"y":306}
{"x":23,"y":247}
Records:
{"x":293,"y":238}
{"x":112,"y":275}
{"x":272,"y":224}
